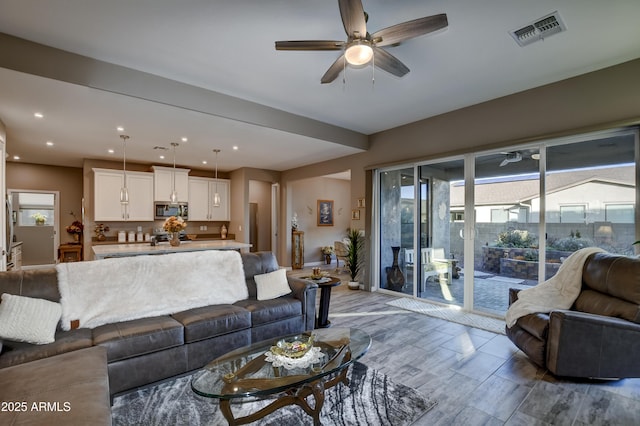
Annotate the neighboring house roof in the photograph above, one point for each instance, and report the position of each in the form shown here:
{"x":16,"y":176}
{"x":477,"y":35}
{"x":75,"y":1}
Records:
{"x":519,"y":189}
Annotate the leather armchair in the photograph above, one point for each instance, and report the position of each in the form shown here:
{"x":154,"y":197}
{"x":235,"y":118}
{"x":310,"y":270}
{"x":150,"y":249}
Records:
{"x":599,"y":337}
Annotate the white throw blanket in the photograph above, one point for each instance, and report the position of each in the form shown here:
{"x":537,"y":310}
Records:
{"x":558,"y":292}
{"x":120,"y":289}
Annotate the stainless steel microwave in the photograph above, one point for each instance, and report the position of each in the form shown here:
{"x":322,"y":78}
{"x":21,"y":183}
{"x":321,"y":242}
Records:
{"x":164,"y":210}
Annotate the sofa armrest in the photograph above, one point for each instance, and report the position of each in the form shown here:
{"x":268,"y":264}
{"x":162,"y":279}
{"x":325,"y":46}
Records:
{"x":588,"y":345}
{"x":305,"y":291}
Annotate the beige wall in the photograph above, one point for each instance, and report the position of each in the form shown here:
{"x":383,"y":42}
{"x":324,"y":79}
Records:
{"x":66,"y":180}
{"x":305,"y":195}
{"x":240,"y":181}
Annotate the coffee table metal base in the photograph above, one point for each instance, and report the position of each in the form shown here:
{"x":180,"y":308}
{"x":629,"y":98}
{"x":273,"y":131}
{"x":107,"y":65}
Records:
{"x":295,"y":396}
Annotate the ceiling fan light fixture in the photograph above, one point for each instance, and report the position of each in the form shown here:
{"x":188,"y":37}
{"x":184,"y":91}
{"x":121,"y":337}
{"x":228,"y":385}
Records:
{"x":359,"y":52}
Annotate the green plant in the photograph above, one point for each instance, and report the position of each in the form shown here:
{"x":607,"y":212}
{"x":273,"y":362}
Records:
{"x":531,"y":255}
{"x":39,"y":217}
{"x":355,"y":256}
{"x":516,"y":238}
{"x":571,"y":244}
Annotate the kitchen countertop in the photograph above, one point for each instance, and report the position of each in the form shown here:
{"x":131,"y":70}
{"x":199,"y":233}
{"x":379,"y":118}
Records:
{"x":137,"y":249}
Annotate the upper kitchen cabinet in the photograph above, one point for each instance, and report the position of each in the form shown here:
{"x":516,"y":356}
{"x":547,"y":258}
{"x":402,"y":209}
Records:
{"x":163,"y":181}
{"x":201,"y":193}
{"x":106,"y":196}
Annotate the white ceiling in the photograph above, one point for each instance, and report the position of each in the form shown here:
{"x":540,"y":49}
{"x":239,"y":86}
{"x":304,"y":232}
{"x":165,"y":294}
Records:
{"x":228,"y":47}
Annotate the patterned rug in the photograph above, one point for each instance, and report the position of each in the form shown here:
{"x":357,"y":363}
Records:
{"x":370,"y":399}
{"x":450,"y":314}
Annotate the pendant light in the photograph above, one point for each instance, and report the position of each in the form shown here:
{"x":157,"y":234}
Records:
{"x":216,"y":194}
{"x":173,"y":198}
{"x":124,"y":192}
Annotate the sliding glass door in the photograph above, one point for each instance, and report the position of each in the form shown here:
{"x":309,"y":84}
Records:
{"x":531,"y":207}
{"x":590,"y":196}
{"x":441,"y":223}
{"x":507,"y":234}
{"x":397,"y":223}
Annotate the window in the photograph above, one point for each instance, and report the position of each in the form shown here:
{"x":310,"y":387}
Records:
{"x":618,"y":213}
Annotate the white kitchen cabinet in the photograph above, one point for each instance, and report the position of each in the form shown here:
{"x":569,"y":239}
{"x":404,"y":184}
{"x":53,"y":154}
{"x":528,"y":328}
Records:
{"x":106,"y":195}
{"x":201,"y":192}
{"x":163,"y":180}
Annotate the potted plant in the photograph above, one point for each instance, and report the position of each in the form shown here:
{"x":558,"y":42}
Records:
{"x":39,"y":218}
{"x":354,"y":256}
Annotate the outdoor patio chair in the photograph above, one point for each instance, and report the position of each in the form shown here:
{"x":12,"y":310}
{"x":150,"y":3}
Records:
{"x":435,"y":265}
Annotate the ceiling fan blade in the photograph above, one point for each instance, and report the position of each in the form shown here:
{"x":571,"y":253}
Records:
{"x":410,"y":29}
{"x":389,"y":63}
{"x":353,"y":19}
{"x":334,"y":70}
{"x":309,"y":45}
{"x":504,"y":163}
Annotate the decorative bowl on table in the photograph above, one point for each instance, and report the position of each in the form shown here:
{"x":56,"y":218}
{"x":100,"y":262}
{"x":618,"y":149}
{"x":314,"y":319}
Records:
{"x":293,"y":347}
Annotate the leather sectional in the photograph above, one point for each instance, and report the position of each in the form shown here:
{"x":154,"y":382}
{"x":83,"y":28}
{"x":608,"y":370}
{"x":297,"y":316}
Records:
{"x":142,"y":351}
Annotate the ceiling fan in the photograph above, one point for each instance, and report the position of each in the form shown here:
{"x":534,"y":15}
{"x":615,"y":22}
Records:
{"x":360,"y":47}
{"x":511,"y":157}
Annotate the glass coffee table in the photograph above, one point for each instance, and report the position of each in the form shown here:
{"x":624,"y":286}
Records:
{"x":259,"y":371}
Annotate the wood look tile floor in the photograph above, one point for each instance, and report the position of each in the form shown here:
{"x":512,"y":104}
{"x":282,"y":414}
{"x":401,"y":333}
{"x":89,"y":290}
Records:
{"x":477,"y":377}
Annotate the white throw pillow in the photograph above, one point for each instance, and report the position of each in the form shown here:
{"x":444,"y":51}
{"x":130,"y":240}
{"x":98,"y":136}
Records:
{"x":272,"y":284}
{"x":25,"y":319}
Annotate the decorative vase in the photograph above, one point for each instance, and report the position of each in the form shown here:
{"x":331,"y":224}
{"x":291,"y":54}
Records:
{"x":223,"y":232}
{"x":101,"y":237}
{"x":76,"y":237}
{"x":354,"y":285}
{"x":395,"y":277}
{"x":39,"y":222}
{"x":175,"y":239}
{"x":327,"y":259}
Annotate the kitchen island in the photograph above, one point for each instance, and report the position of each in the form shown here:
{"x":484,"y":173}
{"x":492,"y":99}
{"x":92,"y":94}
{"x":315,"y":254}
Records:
{"x":138,"y":249}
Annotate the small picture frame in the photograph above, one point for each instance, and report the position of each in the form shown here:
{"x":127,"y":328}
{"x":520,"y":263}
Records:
{"x":355,"y":214}
{"x":325,"y":212}
{"x":360,"y":203}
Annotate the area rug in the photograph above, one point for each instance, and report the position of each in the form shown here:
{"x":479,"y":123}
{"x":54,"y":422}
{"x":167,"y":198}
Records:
{"x":370,"y":399}
{"x":493,"y":325}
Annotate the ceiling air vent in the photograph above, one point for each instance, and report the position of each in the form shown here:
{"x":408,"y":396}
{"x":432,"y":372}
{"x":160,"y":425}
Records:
{"x":539,"y":30}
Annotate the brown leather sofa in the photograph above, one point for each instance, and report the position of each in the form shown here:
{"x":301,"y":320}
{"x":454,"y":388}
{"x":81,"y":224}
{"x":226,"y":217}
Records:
{"x":146,"y":350}
{"x":599,"y":337}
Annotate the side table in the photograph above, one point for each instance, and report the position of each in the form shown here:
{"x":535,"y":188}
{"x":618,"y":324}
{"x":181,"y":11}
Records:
{"x":325,"y":284}
{"x":70,"y":252}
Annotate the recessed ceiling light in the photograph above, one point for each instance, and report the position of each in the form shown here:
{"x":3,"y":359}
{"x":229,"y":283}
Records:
{"x":162,"y":157}
{"x":38,"y":115}
{"x":184,"y":139}
{"x":235,"y":147}
{"x":204,"y":161}
{"x":16,"y":157}
{"x":120,"y":129}
{"x":49,"y":143}
{"x":110,"y":151}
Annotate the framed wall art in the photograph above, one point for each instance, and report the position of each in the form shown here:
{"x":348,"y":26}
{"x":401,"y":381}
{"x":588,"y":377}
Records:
{"x":325,"y":212}
{"x":355,"y":214}
{"x":360,"y":203}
